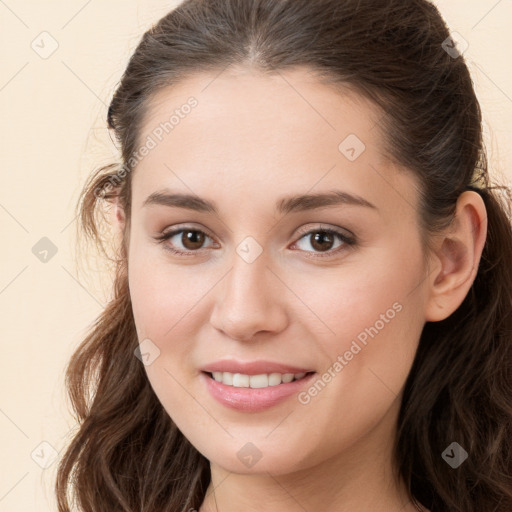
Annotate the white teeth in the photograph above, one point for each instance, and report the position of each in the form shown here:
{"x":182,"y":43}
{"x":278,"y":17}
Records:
{"x":240,"y":380}
{"x":274,"y":379}
{"x":258,"y":381}
{"x":287,"y":377}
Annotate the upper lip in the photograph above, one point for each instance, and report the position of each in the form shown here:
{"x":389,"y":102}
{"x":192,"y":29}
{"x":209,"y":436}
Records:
{"x":252,"y":367}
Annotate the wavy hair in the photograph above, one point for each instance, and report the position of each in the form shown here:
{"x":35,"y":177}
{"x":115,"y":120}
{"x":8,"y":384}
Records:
{"x":127,"y":454}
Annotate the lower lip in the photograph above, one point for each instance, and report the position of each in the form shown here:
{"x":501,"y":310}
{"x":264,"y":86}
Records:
{"x":253,"y":399}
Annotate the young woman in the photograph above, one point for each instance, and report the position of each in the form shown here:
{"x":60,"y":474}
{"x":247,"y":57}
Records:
{"x":313,"y":292}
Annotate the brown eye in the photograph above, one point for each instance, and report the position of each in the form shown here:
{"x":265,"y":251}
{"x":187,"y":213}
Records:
{"x":192,"y":240}
{"x":321,"y":240}
{"x":324,"y":241}
{"x":183,"y":241}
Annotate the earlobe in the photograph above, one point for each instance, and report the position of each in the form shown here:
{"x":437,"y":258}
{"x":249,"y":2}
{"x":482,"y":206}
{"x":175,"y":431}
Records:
{"x":457,"y":255}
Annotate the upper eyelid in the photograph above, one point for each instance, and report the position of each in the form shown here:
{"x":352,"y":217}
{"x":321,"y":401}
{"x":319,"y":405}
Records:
{"x":324,"y":227}
{"x":175,"y":229}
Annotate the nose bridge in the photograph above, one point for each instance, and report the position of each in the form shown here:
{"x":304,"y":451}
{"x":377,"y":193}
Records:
{"x":249,"y":300}
{"x":248,"y":279}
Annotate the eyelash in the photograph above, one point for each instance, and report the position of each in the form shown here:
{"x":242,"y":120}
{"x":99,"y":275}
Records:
{"x":347,"y":241}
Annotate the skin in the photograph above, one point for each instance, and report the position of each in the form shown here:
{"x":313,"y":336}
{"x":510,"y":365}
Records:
{"x":248,"y":131}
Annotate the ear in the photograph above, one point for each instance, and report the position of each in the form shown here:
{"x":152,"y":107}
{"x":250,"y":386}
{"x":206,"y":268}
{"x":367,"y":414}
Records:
{"x":119,"y":224}
{"x":119,"y":218}
{"x":456,"y":257}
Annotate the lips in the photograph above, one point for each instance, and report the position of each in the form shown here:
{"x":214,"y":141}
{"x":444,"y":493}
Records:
{"x":250,"y":400}
{"x":253,"y":367}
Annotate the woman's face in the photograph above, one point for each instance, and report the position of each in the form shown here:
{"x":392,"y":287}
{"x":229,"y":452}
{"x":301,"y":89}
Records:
{"x":260,"y":281}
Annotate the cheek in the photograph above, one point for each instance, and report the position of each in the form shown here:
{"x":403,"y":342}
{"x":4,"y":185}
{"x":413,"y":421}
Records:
{"x":170,"y":306}
{"x":161,"y":292}
{"x":345,"y":301}
{"x":368,"y":333}
{"x":369,"y":313}
{"x":163,"y":302}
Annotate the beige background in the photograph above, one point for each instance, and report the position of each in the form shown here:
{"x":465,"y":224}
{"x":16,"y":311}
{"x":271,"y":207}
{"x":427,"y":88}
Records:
{"x":53,"y":133}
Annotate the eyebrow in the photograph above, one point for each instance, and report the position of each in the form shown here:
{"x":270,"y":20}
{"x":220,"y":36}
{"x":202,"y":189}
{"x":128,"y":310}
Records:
{"x":285,"y":205}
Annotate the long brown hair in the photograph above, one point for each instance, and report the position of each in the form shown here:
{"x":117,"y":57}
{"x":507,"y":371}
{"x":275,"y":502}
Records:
{"x":128,"y":455}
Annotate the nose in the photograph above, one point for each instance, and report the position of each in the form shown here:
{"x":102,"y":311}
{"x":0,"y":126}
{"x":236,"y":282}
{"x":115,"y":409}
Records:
{"x":249,"y":301}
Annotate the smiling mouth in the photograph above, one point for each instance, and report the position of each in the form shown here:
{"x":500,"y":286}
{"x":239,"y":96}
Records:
{"x":264,"y":380}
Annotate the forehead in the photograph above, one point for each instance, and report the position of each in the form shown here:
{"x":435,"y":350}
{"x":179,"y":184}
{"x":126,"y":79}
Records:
{"x":284,"y":108}
{"x":248,"y":131}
